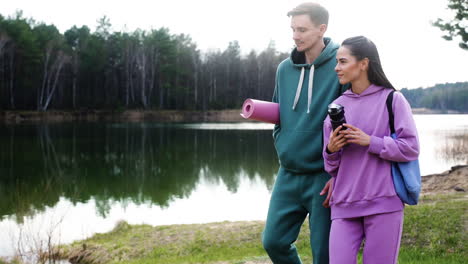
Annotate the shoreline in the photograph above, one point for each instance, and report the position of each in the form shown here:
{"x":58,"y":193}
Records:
{"x":453,"y":180}
{"x":443,"y":195}
{"x":437,"y":190}
{"x":170,"y":116}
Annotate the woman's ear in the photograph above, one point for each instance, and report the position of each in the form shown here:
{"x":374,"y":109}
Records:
{"x":364,"y":64}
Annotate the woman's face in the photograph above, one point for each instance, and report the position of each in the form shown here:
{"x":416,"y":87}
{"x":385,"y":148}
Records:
{"x":348,"y":68}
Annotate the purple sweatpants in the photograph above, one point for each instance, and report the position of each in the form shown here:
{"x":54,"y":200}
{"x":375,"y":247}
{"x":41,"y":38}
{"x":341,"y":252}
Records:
{"x":381,"y":232}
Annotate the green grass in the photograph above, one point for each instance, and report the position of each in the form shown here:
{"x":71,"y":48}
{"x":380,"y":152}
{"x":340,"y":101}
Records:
{"x":434,"y":232}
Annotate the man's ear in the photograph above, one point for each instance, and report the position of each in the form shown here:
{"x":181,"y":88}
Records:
{"x":323,"y":29}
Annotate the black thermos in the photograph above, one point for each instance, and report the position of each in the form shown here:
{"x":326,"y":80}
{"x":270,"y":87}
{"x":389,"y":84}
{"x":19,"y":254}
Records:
{"x":337,"y":117}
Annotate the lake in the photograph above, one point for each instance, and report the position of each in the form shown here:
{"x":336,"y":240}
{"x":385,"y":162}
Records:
{"x":71,"y":180}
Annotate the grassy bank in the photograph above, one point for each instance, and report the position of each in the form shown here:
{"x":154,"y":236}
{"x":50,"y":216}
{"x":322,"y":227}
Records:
{"x":434,"y":232}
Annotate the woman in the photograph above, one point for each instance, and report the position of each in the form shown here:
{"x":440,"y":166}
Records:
{"x":364,"y":205}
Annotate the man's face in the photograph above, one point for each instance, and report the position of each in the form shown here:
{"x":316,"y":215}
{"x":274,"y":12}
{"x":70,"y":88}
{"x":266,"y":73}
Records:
{"x":305,"y":33}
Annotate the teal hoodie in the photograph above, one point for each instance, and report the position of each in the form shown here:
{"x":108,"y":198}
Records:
{"x":303,"y":107}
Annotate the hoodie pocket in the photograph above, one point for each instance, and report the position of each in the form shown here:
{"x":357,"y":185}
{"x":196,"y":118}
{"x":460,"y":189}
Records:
{"x":300,"y":150}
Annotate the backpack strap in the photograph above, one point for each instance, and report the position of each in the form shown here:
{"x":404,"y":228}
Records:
{"x":390,"y":112}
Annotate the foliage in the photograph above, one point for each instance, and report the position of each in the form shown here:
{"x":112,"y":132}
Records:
{"x":41,"y":68}
{"x":79,"y":69}
{"x":444,"y":97}
{"x":458,"y":25}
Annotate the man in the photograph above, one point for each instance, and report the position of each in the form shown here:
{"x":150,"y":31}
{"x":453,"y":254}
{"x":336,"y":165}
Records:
{"x":305,"y":84}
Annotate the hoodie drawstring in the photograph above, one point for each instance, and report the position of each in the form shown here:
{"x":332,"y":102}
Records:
{"x":309,"y":90}
{"x":298,"y":89}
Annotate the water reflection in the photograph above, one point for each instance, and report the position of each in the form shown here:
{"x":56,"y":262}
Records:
{"x":132,"y":163}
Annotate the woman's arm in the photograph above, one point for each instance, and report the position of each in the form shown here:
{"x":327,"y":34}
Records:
{"x":406,"y":146}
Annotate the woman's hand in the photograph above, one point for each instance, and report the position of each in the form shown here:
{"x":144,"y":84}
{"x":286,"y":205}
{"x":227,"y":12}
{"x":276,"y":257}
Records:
{"x":355,"y":135}
{"x":337,"y":141}
{"x":327,"y":190}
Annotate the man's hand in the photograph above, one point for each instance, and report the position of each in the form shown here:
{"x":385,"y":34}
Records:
{"x":327,"y":190}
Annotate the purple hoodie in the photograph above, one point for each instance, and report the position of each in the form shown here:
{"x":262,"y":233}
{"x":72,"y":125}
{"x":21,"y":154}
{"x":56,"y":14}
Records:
{"x":363,"y":182}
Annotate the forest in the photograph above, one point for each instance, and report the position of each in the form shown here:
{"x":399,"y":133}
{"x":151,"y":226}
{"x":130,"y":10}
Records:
{"x":41,"y":69}
{"x":444,"y":97}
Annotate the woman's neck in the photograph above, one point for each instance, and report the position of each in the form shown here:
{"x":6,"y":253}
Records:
{"x":360,"y":86}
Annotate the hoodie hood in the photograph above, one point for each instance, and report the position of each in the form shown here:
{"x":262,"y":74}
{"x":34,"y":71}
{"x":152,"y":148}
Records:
{"x":372,"y":89}
{"x":298,"y":60}
{"x":328,"y":53}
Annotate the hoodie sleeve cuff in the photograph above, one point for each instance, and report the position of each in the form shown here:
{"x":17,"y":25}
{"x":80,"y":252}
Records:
{"x":376,"y":145}
{"x":333,"y":156}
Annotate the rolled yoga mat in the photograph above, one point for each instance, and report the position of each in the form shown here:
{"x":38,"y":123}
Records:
{"x":261,"y":111}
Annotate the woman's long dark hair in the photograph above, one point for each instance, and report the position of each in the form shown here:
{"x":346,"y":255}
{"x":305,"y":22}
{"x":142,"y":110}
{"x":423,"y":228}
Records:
{"x":361,"y":48}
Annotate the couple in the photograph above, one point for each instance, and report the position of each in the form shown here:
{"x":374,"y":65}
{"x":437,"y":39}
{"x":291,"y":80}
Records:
{"x":360,"y":191}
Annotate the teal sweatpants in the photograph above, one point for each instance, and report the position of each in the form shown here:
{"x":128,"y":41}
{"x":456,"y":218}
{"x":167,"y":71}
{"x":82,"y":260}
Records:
{"x":294,"y":197}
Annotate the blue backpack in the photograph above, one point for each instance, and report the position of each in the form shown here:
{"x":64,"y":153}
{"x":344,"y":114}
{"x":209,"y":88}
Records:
{"x":406,"y":175}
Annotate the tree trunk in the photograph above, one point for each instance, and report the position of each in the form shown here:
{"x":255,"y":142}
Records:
{"x":195,"y":79}
{"x":176,"y":88}
{"x":61,"y":59}
{"x":40,"y":101}
{"x":161,"y":92}
{"x":127,"y":76}
{"x":142,"y":68}
{"x":153,"y":64}
{"x":74,"y":93}
{"x":12,"y":72}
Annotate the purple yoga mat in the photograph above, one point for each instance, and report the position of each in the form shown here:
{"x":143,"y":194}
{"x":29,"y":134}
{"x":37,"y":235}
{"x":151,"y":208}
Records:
{"x":261,"y":111}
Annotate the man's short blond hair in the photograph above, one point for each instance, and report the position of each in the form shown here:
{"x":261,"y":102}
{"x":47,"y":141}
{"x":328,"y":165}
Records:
{"x":317,"y":13}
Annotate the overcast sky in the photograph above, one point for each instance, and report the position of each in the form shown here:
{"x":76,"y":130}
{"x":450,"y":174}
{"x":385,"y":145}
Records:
{"x":413,"y":53}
